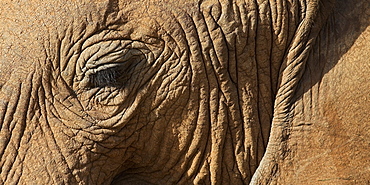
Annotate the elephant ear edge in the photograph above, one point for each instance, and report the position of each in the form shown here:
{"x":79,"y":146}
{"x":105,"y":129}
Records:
{"x":291,"y":72}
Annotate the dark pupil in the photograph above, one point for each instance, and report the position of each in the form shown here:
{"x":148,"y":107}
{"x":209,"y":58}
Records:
{"x":106,"y":77}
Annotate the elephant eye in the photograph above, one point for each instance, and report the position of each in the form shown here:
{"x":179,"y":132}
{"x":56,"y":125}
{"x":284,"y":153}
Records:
{"x":107,"y":77}
{"x":114,"y":73}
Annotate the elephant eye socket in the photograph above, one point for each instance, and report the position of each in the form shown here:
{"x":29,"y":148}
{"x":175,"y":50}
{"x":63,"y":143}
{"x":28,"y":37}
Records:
{"x":107,"y":77}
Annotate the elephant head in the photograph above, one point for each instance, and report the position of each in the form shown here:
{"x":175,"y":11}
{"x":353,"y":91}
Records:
{"x":149,"y":92}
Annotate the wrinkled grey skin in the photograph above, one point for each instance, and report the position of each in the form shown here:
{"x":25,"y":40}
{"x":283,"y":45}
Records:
{"x":155,"y":92}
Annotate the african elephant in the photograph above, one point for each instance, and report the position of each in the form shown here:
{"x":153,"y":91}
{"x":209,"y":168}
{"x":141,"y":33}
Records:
{"x":184,"y":92}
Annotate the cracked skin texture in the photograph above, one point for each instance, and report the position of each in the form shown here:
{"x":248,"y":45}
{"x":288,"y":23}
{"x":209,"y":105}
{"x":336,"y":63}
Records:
{"x":185,"y":92}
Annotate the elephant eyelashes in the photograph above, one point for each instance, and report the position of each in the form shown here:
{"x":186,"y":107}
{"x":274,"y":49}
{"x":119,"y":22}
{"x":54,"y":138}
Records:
{"x":113,"y":73}
{"x":106,"y":77}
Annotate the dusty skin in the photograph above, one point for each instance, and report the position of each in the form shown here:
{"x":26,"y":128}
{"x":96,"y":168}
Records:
{"x":185,"y":92}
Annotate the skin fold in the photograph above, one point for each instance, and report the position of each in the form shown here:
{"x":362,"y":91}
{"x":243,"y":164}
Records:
{"x":184,"y":92}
